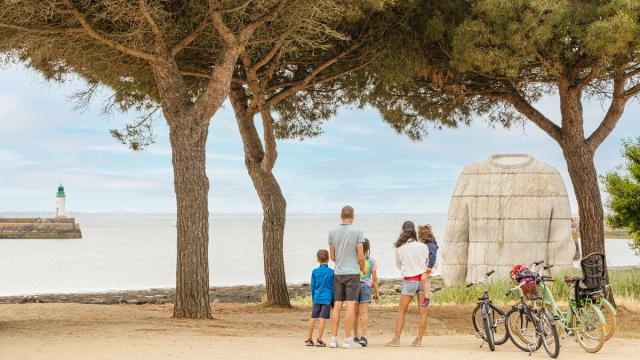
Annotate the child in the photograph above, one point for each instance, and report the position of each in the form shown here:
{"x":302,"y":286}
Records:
{"x":321,"y":296}
{"x":368,"y":279}
{"x":425,"y":235}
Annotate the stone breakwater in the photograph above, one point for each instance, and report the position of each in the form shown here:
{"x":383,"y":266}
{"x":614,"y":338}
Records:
{"x":228,"y":294}
{"x":39,"y":228}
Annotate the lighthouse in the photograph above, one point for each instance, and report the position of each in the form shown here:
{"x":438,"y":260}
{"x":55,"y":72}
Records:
{"x":60,"y":197}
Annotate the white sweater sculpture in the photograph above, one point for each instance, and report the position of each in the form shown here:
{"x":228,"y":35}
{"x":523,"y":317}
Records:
{"x":508,"y":209}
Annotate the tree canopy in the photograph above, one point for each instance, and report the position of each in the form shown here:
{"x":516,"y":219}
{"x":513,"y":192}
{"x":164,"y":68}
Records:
{"x":451,"y":62}
{"x":110,"y":43}
{"x":623,"y":187}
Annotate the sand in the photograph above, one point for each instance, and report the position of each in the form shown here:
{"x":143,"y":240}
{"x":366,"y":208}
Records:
{"x":74,"y":331}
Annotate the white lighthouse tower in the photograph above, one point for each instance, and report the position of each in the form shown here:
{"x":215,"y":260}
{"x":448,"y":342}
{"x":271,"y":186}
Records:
{"x":60,"y":197}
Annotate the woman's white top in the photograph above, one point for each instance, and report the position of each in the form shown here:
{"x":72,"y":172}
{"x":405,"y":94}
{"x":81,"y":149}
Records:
{"x":412,"y":258}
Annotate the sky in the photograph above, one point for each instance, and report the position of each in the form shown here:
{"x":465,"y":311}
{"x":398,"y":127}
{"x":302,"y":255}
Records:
{"x":359,"y":160}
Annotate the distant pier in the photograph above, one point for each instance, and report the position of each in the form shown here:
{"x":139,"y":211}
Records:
{"x":39,"y":228}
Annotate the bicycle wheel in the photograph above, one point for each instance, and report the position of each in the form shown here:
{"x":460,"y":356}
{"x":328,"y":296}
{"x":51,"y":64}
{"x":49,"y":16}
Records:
{"x":499,"y":325}
{"x":549,"y":334}
{"x":488,"y":331}
{"x":521,"y":330}
{"x":609,"y":313}
{"x":559,"y":320}
{"x":588,"y":328}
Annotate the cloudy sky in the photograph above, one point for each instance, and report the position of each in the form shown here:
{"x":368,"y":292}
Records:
{"x":358,"y":160}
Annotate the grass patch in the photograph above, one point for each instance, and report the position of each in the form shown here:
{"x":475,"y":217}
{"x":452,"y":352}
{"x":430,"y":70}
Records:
{"x":626,"y":284}
{"x":626,"y":288}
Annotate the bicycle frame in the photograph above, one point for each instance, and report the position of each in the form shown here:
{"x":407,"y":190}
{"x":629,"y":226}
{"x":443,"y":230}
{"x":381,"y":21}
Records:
{"x":564,"y":317}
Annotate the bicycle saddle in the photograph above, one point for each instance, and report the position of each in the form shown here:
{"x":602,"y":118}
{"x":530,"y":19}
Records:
{"x":572,"y":279}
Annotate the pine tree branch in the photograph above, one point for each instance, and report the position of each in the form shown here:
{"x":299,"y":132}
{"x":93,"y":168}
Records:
{"x":152,"y":24}
{"x":309,"y":78}
{"x":525,"y":108}
{"x":42,"y":30}
{"x":236,"y":8}
{"x":103,"y":38}
{"x":614,"y":113}
{"x":229,"y":39}
{"x":187,"y":40}
{"x":271,"y":152}
{"x":248,"y":29}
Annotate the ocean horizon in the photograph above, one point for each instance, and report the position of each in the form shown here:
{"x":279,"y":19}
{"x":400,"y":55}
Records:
{"x":138,"y":251}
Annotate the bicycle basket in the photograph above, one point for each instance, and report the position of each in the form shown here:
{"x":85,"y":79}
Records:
{"x":527,"y":279}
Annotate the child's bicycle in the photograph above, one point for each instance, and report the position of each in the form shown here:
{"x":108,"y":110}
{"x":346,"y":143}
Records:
{"x":532,"y":326}
{"x":583,"y":318}
{"x":488,"y":319}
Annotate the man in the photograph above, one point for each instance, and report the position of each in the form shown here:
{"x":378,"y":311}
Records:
{"x":346,"y":250}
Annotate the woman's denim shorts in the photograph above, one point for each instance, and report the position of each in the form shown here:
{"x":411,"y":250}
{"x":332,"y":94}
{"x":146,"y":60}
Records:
{"x":411,"y":287}
{"x":365,"y":294}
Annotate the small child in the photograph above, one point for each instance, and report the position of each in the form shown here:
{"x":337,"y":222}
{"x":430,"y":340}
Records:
{"x":425,"y":235}
{"x":321,"y":296}
{"x":368,"y":280}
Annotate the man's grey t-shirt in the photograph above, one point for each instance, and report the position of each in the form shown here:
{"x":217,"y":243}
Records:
{"x":344,"y":239}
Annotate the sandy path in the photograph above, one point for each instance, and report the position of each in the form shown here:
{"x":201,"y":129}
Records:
{"x":69,"y":331}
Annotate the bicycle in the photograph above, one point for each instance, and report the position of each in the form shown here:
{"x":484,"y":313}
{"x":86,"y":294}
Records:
{"x":594,"y":276}
{"x":599,"y":298}
{"x":583,"y":319}
{"x":530,"y":327}
{"x":487,"y":317}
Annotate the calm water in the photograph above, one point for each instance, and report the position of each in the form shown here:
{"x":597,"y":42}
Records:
{"x":138,"y":251}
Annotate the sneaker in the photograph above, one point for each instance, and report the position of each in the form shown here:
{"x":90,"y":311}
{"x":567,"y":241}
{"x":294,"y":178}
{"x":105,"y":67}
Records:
{"x":309,"y":342}
{"x":350,"y":344}
{"x":417,"y":343}
{"x":393,"y":343}
{"x":334,"y":342}
{"x":320,"y":343}
{"x":425,"y":302}
{"x":363,"y":341}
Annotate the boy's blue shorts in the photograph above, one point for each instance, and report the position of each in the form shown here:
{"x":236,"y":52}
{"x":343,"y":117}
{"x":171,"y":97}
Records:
{"x":322,"y":311}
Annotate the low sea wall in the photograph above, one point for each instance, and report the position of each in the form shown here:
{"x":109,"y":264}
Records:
{"x":39,"y":228}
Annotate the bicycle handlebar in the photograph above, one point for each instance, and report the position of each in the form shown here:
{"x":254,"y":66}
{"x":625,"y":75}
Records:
{"x":483,"y":279}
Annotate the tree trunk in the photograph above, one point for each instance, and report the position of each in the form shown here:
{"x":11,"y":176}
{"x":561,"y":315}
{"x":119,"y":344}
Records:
{"x":274,"y":208}
{"x":584,"y":177}
{"x":188,"y":140}
{"x":273,"y":203}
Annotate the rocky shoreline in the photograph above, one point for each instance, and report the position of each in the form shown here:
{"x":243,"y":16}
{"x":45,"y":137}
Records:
{"x":229,"y":294}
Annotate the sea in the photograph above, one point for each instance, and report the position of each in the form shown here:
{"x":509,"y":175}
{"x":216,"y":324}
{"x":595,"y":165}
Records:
{"x":135,"y":251}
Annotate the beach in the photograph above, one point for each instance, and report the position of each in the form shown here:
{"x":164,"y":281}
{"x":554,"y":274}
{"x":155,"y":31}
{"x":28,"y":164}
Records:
{"x":249,"y":331}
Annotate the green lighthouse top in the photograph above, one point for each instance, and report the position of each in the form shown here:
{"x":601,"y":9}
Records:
{"x":60,"y":190}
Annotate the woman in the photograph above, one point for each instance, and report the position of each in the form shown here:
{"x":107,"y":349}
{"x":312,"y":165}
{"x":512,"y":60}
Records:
{"x":411,"y":258}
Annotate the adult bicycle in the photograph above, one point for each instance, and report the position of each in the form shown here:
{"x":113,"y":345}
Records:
{"x":530,"y":326}
{"x":488,"y":319}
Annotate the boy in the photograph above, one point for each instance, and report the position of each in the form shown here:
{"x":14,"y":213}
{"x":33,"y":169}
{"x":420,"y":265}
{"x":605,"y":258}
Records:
{"x":321,"y":296}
